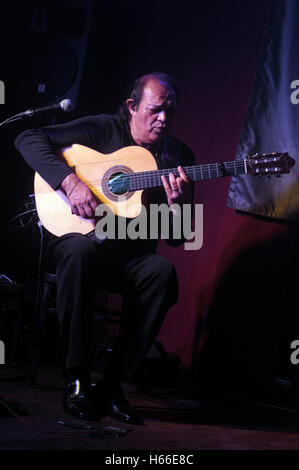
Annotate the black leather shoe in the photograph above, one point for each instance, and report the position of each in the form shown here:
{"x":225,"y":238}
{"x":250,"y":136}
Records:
{"x":122,"y":411}
{"x":112,"y":402}
{"x":77,"y":399}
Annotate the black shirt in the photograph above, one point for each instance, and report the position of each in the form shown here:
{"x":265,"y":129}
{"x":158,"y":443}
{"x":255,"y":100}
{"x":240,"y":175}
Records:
{"x":104,"y":133}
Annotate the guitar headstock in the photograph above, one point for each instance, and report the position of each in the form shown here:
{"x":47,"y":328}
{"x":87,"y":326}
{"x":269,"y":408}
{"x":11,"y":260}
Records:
{"x":270,"y":164}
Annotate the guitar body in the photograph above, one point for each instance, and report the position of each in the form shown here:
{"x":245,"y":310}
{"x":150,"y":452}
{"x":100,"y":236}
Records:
{"x":96,"y":170}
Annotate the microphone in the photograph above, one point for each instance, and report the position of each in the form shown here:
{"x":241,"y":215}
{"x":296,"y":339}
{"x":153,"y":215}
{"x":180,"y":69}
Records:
{"x":64,"y":105}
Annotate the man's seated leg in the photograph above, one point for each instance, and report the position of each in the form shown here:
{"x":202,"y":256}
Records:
{"x":151,"y":289}
{"x":75,"y":258}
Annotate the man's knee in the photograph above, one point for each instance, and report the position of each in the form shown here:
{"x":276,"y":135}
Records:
{"x":166,"y":270}
{"x":75,"y":247}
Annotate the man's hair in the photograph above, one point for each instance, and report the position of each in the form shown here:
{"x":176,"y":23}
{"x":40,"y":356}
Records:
{"x":138,"y":87}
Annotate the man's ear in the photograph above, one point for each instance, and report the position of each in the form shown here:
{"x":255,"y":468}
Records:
{"x":131,"y":105}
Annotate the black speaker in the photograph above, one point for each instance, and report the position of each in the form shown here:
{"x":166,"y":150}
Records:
{"x":54,"y":51}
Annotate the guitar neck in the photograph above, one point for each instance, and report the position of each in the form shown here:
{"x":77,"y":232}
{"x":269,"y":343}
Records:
{"x":150,"y":179}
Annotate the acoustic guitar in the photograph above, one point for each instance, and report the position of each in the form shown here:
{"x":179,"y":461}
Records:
{"x":119,"y":179}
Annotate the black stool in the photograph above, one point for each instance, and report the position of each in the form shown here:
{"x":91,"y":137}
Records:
{"x":46,"y":284}
{"x":46,"y":287}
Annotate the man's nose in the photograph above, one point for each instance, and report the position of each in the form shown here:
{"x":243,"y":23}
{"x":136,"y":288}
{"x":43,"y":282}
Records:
{"x":162,"y":116}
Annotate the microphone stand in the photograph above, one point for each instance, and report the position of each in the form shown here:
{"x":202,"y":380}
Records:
{"x":16,"y":117}
{"x":33,"y":112}
{"x":6,"y":410}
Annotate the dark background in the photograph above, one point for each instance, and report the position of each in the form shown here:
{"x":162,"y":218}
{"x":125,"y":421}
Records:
{"x":237,"y":307}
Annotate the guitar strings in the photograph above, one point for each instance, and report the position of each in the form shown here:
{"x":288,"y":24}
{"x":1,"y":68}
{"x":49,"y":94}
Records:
{"x":167,"y":171}
{"x":154,"y":176}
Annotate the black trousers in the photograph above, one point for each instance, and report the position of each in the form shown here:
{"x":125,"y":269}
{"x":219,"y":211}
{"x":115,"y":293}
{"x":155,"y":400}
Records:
{"x":150,"y":288}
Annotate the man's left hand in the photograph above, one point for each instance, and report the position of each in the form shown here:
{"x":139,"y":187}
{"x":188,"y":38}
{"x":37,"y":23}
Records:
{"x":178,"y":190}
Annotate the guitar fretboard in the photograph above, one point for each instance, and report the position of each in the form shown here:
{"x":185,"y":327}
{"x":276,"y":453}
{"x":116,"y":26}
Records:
{"x":150,"y":179}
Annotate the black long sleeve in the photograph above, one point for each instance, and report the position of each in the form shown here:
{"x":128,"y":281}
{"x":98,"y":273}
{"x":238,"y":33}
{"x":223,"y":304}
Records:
{"x":40,"y":147}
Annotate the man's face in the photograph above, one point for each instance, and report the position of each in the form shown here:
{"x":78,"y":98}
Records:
{"x":151,"y":119}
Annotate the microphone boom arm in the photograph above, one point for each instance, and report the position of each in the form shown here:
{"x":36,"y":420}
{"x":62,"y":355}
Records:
{"x":64,"y":105}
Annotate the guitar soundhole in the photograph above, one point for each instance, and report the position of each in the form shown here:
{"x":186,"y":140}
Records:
{"x":116,"y":184}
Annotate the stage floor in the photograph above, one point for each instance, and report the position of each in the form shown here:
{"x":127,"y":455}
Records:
{"x":176,"y":419}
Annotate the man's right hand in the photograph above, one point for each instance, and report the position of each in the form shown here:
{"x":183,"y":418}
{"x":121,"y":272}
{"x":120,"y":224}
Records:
{"x":82,"y":200}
